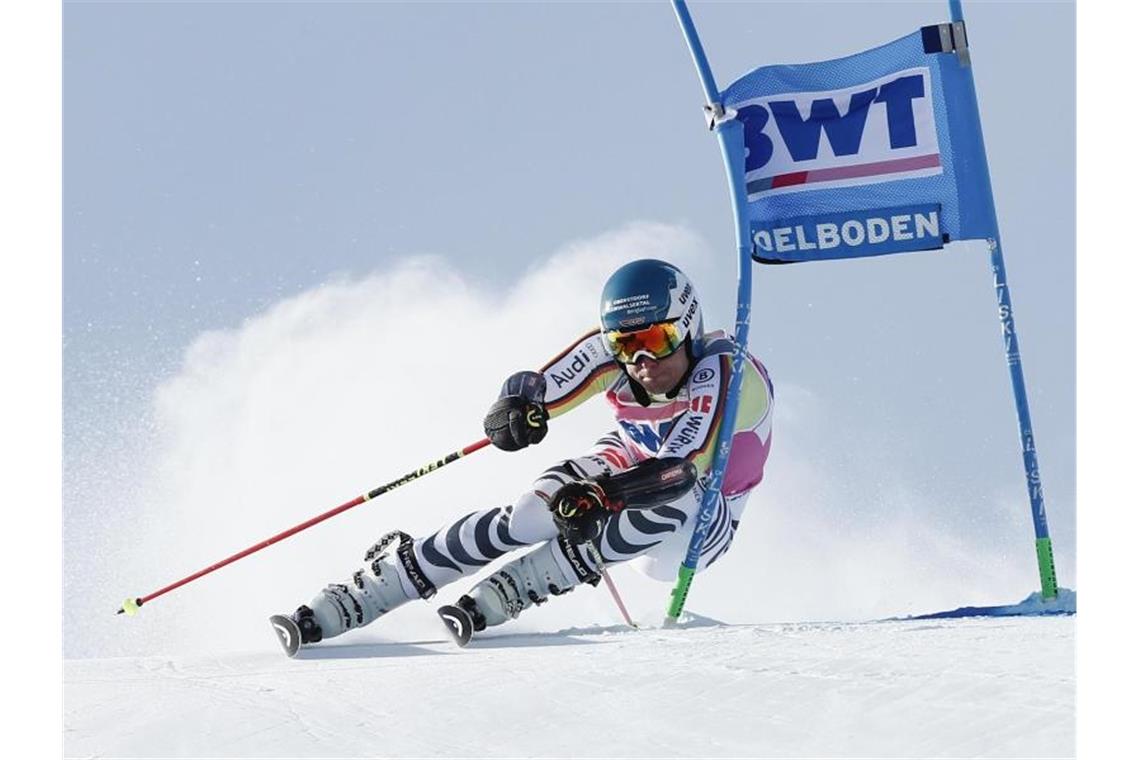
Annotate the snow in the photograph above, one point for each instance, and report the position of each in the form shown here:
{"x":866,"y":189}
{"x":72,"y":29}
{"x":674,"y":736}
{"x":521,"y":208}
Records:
{"x":980,"y":687}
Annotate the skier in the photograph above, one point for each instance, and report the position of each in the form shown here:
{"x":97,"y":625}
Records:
{"x":628,"y":498}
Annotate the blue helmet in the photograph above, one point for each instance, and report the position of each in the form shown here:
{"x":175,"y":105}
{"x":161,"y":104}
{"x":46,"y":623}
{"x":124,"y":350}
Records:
{"x":651,"y":292}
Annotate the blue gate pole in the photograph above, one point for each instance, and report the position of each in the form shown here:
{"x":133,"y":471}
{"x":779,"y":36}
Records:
{"x":730,"y":135}
{"x":1045,"y":565}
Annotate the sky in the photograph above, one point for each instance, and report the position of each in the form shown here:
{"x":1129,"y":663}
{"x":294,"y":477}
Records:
{"x":303,"y":244}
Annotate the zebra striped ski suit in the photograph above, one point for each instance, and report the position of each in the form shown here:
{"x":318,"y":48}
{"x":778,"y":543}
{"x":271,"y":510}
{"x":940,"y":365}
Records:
{"x":685,"y":425}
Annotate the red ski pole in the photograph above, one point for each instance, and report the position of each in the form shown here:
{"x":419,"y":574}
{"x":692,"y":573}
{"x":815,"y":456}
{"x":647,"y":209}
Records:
{"x":131,"y":606}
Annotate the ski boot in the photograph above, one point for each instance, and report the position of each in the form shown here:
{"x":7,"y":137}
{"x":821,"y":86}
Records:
{"x":383,"y":584}
{"x":553,"y":568}
{"x":299,"y":628}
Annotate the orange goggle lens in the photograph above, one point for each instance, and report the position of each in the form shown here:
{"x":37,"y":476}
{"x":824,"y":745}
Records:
{"x":657,"y":340}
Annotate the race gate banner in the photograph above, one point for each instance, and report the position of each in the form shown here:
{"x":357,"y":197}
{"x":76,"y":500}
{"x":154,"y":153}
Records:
{"x":879,"y":152}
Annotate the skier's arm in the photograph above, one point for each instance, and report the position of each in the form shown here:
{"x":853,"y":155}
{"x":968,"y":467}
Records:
{"x":580,"y":372}
{"x":579,"y":507}
{"x":528,"y":399}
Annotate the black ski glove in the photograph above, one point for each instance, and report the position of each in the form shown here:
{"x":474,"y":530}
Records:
{"x":580,"y":510}
{"x":519,"y":417}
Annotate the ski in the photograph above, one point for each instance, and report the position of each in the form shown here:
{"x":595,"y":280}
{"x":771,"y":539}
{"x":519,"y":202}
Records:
{"x":459,"y":623}
{"x":287,"y":633}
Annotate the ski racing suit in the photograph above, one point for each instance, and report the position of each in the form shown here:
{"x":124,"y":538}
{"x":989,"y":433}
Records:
{"x":683,"y":426}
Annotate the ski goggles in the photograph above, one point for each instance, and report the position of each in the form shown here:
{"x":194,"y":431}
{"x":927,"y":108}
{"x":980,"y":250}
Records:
{"x":656,"y":341}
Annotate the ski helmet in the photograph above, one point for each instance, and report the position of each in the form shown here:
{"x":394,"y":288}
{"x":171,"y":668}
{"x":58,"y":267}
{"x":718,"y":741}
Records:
{"x":646,"y":294}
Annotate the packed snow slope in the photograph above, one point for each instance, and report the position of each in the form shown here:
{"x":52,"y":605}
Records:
{"x":978,"y":687}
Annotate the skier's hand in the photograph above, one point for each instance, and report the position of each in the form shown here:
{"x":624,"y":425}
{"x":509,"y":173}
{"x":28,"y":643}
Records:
{"x":580,"y":510}
{"x":519,"y":417}
{"x":514,"y":423}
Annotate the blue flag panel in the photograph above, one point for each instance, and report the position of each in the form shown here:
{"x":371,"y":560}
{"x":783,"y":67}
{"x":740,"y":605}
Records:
{"x":879,"y":152}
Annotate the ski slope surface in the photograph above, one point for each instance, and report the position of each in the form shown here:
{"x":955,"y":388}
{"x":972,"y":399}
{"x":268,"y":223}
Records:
{"x":963,"y":687}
